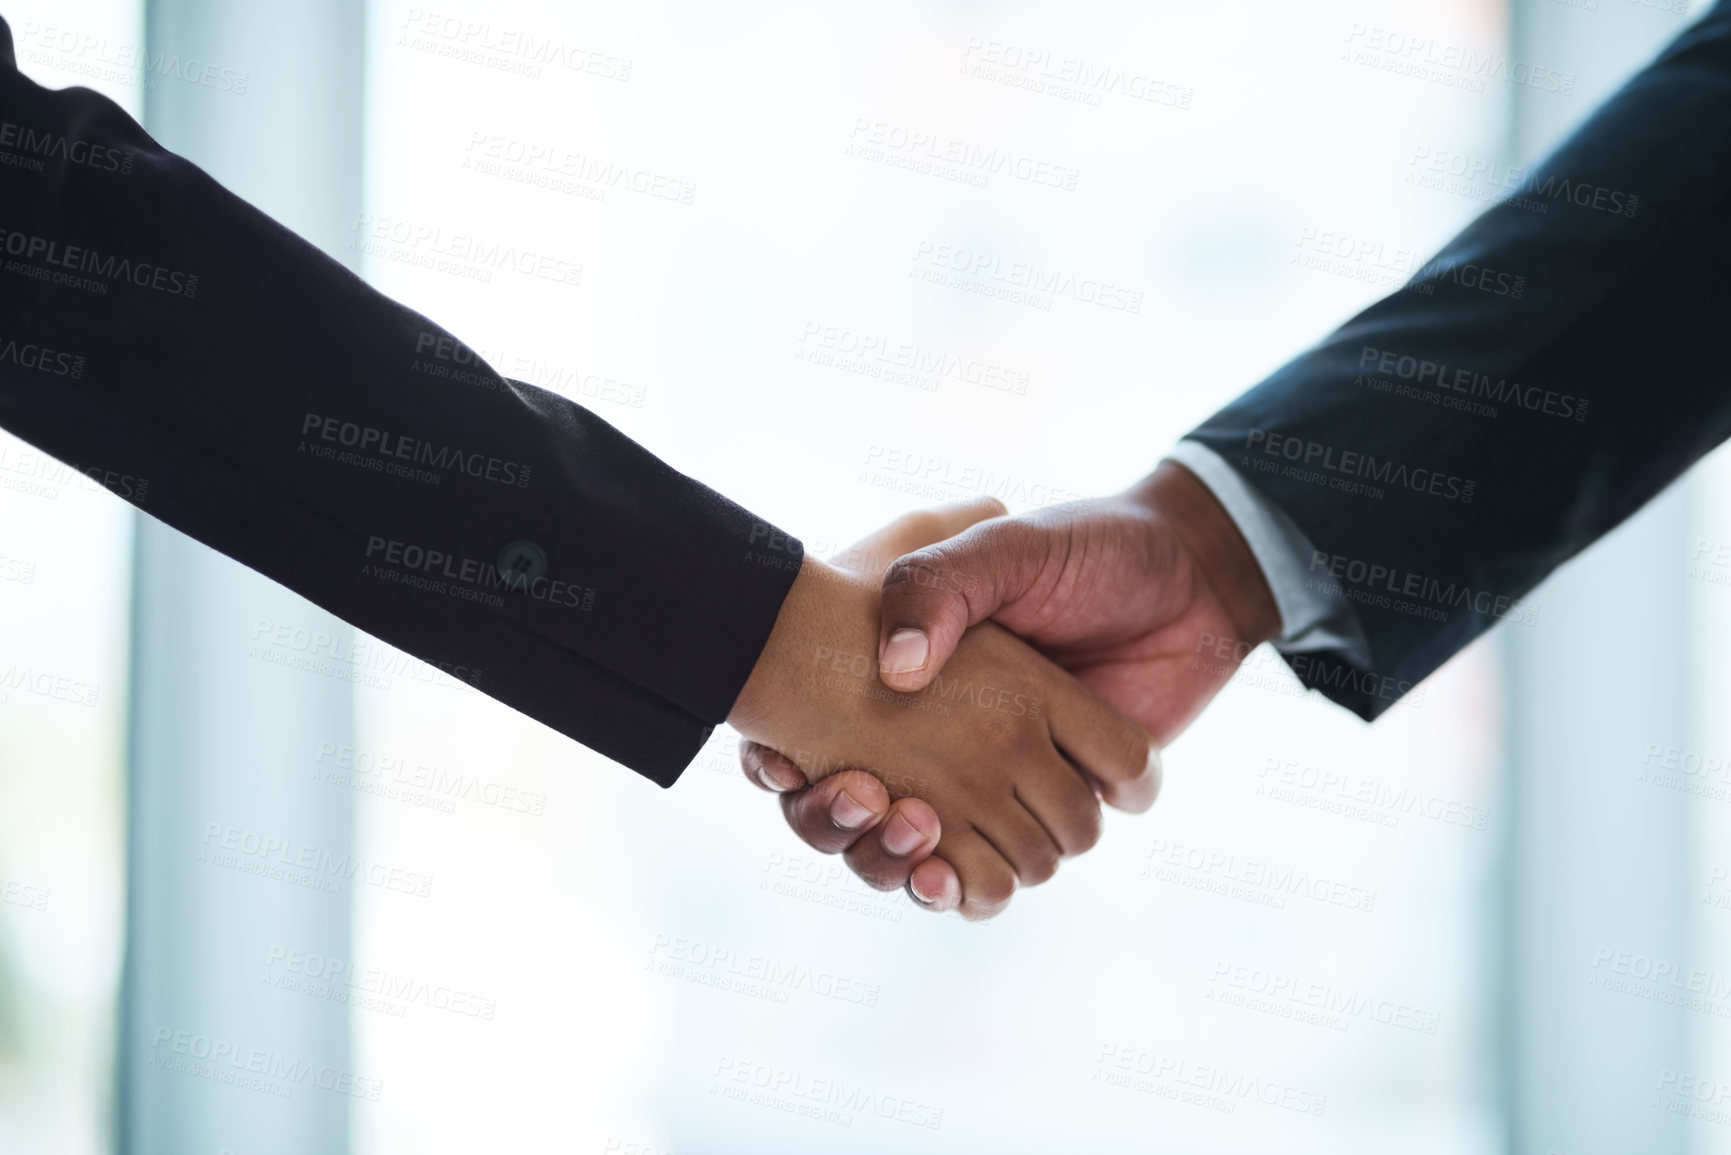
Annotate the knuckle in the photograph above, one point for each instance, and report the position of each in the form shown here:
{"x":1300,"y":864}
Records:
{"x":810,"y":819}
{"x":1001,"y":738}
{"x":909,"y":575}
{"x":1089,"y":827}
{"x":1041,"y":868}
{"x":980,"y":908}
{"x":994,"y":891}
{"x":923,"y":525}
{"x":874,"y":872}
{"x":751,"y":761}
{"x":865,"y":787}
{"x":916,"y":814}
{"x":1129,"y":753}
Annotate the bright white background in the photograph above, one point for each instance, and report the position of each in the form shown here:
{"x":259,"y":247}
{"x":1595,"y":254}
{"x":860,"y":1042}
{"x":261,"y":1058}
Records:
{"x":62,"y":762}
{"x":706,"y":309}
{"x":603,"y":930}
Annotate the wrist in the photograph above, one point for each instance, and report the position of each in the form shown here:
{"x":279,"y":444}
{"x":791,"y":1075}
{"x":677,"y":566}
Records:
{"x":1180,"y":499}
{"x":828,"y":614}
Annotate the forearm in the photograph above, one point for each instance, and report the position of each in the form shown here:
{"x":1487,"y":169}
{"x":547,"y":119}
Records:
{"x":1536,"y":383}
{"x":234,"y":382}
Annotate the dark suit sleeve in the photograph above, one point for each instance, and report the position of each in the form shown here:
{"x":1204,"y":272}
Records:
{"x":1559,"y":364}
{"x":178,"y":346}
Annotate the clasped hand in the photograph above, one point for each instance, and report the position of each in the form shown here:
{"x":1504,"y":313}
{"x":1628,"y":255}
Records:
{"x":938,"y":749}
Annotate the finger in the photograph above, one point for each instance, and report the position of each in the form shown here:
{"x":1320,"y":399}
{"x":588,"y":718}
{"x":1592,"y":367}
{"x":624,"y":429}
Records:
{"x":934,"y":885}
{"x":916,"y":530}
{"x":886,"y":857}
{"x":1063,"y":802}
{"x":987,"y":879}
{"x":834,"y":814}
{"x":770,"y":769}
{"x":932,"y":596}
{"x":1021,"y":839}
{"x":1109,"y":748}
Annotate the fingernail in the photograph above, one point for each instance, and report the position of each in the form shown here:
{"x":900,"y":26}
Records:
{"x":847,"y":813}
{"x":907,"y":651}
{"x":900,"y":837}
{"x":779,"y":776}
{"x":1157,"y":768}
{"x":923,"y":899}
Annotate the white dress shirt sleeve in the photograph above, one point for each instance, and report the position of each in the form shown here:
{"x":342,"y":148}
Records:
{"x":1314,"y":615}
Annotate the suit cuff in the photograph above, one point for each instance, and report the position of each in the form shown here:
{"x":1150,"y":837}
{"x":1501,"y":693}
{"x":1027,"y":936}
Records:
{"x":1314,"y":612}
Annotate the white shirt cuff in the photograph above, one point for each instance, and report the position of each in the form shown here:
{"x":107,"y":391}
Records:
{"x":1313,"y":614}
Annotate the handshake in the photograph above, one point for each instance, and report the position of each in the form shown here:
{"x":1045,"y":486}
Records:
{"x":949,"y":702}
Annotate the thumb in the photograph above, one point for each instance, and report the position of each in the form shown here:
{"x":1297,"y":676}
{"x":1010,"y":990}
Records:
{"x":933,"y":595}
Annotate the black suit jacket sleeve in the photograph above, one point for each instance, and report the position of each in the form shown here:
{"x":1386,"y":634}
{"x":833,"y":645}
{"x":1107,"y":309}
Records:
{"x":1557,"y":365}
{"x":172,"y":342}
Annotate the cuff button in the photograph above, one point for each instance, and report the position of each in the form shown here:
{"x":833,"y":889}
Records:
{"x":522,"y":564}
